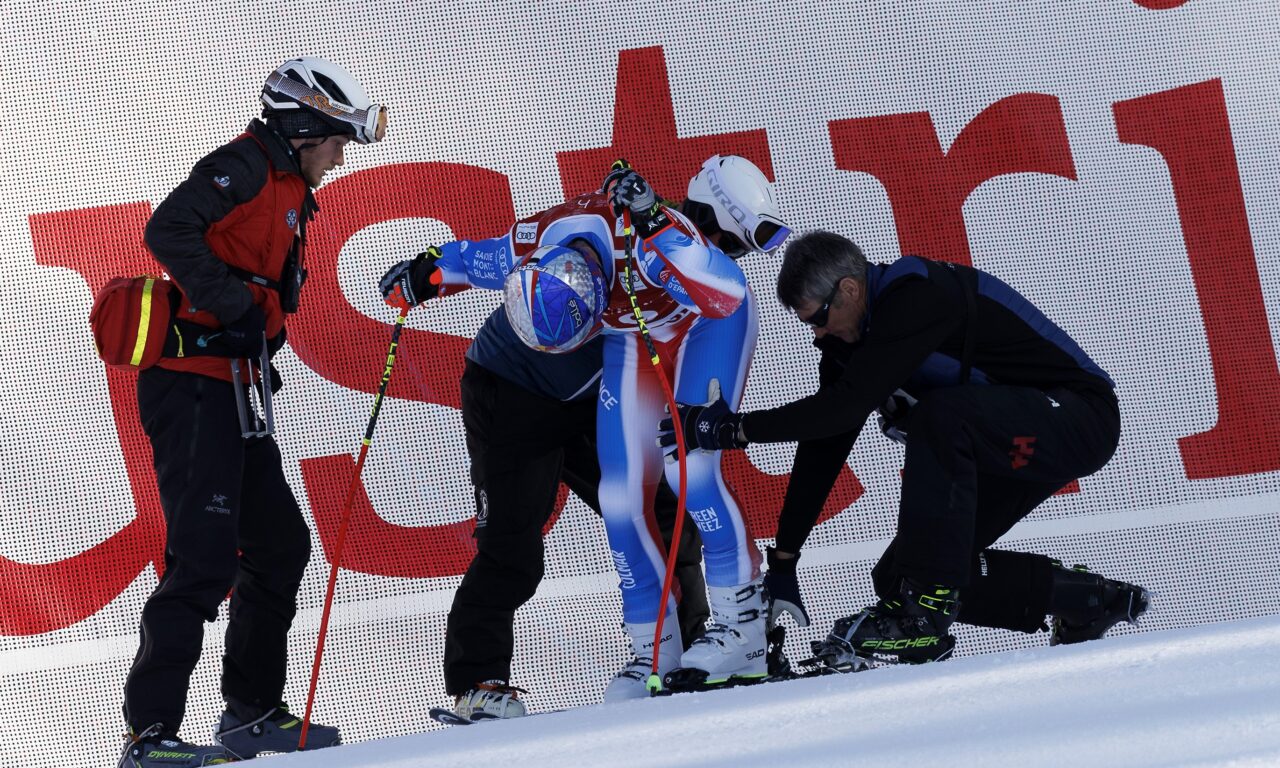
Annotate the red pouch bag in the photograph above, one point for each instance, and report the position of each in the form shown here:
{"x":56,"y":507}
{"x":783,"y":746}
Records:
{"x":130,"y":320}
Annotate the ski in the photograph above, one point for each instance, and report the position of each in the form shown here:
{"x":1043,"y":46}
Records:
{"x":694,"y":680}
{"x":686,"y":680}
{"x":779,"y":669}
{"x":448,"y":717}
{"x":839,"y":658}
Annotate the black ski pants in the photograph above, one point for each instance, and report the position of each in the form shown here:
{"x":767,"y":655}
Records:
{"x":233,"y":525}
{"x":522,"y":445}
{"x":979,"y":459}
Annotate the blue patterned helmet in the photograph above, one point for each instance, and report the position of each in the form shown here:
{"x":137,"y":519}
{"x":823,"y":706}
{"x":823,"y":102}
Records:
{"x":556,"y":299}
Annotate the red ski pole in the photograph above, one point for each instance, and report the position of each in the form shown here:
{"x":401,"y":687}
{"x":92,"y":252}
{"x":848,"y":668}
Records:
{"x":654,"y":683}
{"x":346,"y":518}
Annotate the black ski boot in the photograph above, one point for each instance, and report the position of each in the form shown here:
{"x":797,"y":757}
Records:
{"x":910,"y":627}
{"x":159,"y":747}
{"x":246,"y":732}
{"x":1085,"y":605}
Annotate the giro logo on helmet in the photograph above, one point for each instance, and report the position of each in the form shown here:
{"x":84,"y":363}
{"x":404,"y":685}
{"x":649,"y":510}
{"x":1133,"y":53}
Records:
{"x":726,"y":202}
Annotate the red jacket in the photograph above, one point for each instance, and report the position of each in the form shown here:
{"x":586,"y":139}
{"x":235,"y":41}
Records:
{"x":244,"y":207}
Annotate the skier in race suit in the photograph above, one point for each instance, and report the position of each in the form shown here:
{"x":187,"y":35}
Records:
{"x":702,"y":319}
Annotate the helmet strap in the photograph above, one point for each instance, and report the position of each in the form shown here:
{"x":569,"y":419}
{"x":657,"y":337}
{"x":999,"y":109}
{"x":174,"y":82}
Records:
{"x":702,"y":215}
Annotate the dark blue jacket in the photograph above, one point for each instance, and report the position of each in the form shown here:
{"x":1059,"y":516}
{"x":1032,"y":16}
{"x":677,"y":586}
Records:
{"x":571,"y":376}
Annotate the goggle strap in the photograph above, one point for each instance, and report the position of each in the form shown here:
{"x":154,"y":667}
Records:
{"x":732,"y":245}
{"x":366,"y":119}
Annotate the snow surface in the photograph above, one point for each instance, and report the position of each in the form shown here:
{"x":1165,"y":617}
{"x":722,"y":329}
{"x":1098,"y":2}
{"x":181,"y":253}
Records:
{"x":1204,"y":696}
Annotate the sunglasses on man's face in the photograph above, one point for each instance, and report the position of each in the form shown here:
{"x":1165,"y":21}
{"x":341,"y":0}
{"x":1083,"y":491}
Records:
{"x":823,"y":313}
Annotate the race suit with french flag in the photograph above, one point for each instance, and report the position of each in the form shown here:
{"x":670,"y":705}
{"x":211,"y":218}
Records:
{"x":702,"y":319}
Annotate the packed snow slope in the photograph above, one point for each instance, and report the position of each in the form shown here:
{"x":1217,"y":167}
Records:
{"x":1204,"y":696}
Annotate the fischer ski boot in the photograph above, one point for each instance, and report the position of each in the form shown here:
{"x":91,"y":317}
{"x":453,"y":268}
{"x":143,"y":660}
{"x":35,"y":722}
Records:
{"x":155,"y":747}
{"x":909,"y":628}
{"x":631,"y":682}
{"x":246,"y":733}
{"x":490,"y":700}
{"x":735,"y":647}
{"x":1085,"y":605}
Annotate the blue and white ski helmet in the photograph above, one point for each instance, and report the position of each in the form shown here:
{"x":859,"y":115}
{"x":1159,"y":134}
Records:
{"x":556,"y":300}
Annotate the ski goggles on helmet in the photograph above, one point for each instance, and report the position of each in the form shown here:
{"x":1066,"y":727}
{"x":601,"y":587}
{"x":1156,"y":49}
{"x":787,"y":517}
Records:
{"x":767,"y":235}
{"x":368,"y":125}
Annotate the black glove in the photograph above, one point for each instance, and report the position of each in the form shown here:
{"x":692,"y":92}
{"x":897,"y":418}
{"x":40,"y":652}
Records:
{"x":412,"y":281}
{"x":783,"y":589}
{"x":892,"y":416}
{"x":631,"y":192}
{"x":707,"y":427}
{"x":619,"y":169}
{"x":276,"y":380}
{"x":244,"y":336}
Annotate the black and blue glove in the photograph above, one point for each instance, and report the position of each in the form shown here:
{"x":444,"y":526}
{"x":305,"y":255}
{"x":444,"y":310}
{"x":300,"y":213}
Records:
{"x":412,"y":281}
{"x":629,"y":191}
{"x":707,"y":427}
{"x":783,"y":588}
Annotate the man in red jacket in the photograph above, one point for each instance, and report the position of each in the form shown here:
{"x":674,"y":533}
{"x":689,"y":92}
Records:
{"x":232,"y":238}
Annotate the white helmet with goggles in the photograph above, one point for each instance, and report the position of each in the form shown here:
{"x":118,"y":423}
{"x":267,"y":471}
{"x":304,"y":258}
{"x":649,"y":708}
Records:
{"x":313,"y":97}
{"x":730,"y":195}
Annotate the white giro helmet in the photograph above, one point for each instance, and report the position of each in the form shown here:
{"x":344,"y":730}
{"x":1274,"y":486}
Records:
{"x":732,"y":196}
{"x":313,"y":97}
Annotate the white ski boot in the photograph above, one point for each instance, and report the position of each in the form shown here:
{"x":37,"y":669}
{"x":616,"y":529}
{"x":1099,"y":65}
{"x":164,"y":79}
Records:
{"x":490,"y":700}
{"x":735,"y":645}
{"x":630,"y":682}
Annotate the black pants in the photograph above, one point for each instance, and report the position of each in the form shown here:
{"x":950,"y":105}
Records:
{"x":522,"y":446}
{"x":234,"y":525}
{"x":978,"y":460}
